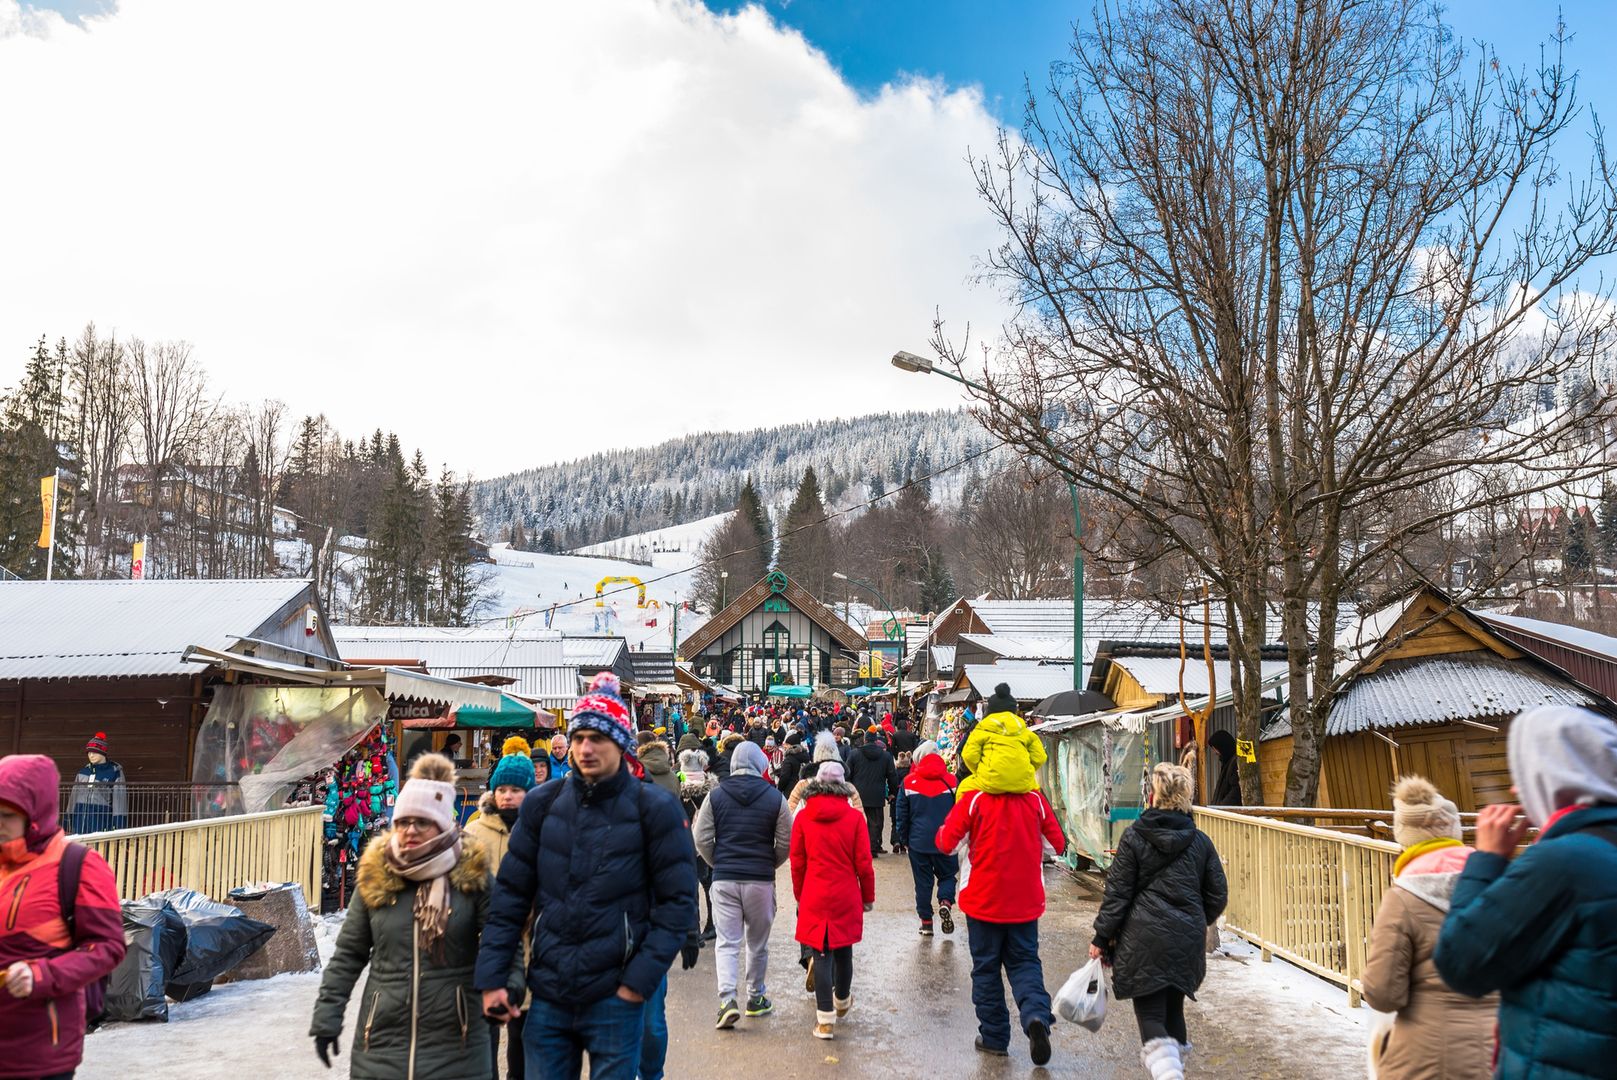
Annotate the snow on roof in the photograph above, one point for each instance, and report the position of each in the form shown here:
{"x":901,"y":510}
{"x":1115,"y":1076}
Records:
{"x":1023,"y":647}
{"x":102,"y":629}
{"x":1573,"y":637}
{"x":534,"y":658}
{"x":1160,"y":674}
{"x":1037,"y":617}
{"x":1029,"y":680}
{"x":943,"y":657}
{"x":594,"y":652}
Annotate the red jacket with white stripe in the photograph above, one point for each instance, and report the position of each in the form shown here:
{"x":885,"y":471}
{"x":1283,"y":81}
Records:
{"x":1004,"y":837}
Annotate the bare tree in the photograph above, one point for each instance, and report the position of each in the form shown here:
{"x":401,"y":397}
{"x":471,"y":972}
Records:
{"x":102,"y":404}
{"x":1290,"y":270}
{"x":1017,"y":541}
{"x":172,"y":409}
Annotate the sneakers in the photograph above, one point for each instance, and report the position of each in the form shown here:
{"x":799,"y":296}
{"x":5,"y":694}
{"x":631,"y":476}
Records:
{"x":991,"y":1051}
{"x":946,"y":918}
{"x":729,"y":1015}
{"x":843,"y":1005}
{"x":1038,"y":1040}
{"x":926,"y":927}
{"x":808,"y":977}
{"x":758,"y":1005}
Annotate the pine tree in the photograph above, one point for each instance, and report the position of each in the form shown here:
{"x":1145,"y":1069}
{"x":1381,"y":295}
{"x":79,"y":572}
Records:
{"x":1578,"y":550}
{"x":805,"y":538}
{"x":1608,"y":527}
{"x":751,"y":509}
{"x":31,"y":427}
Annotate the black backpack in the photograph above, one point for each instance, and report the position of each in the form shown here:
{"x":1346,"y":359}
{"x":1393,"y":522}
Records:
{"x":68,"y":872}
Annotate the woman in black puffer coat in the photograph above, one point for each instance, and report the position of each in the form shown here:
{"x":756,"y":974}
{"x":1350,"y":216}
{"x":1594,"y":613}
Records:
{"x":1163,"y":890}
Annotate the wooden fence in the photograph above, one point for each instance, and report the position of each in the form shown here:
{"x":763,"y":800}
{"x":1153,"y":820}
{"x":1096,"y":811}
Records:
{"x":1305,"y":894}
{"x":216,"y":855}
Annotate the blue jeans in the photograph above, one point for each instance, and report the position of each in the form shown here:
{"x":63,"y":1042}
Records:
{"x":1015,"y":948}
{"x":945,"y":869}
{"x":654,"y":1034}
{"x":557,"y":1037}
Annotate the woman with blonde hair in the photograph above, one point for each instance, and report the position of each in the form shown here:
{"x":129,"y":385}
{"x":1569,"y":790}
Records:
{"x":1164,"y":889}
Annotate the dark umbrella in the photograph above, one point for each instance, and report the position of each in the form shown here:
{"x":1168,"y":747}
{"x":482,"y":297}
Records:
{"x":1073,"y":703}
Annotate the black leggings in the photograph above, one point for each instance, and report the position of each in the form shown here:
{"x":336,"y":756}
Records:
{"x":833,"y":975}
{"x":1161,"y":1015}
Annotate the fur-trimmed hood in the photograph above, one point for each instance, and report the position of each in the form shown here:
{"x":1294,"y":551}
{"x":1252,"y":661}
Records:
{"x":696,"y":789}
{"x":840,"y":788}
{"x":379,"y":886}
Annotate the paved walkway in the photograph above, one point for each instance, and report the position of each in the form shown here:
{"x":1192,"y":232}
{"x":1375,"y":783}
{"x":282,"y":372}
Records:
{"x":912,"y":1015}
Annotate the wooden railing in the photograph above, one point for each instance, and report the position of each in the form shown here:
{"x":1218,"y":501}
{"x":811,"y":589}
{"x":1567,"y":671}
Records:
{"x":217,"y":855}
{"x":1307,"y":895}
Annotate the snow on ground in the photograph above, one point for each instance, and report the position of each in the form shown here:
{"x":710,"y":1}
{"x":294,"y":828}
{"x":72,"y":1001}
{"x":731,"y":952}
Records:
{"x":246,"y":1029}
{"x":526,"y":584}
{"x":1279,"y":1002}
{"x":686,"y":539}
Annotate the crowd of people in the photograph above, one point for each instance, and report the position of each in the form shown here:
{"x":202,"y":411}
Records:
{"x":553,"y":918}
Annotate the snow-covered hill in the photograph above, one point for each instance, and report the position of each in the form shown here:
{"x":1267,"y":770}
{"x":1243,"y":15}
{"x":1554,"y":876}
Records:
{"x":558,"y":591}
{"x":667,"y":547}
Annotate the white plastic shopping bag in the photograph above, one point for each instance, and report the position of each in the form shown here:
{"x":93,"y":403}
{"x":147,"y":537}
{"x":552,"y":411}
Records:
{"x":1082,"y":998}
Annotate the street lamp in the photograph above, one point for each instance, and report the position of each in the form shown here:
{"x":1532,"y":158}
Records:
{"x":724,"y":586}
{"x":908,"y":361}
{"x":892,"y":627}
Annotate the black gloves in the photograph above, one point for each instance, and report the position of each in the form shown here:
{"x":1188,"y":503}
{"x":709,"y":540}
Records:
{"x":689,"y":953}
{"x":324,"y":1045}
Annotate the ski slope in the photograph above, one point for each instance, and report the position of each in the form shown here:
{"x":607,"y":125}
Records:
{"x":682,"y":541}
{"x":558,"y":591}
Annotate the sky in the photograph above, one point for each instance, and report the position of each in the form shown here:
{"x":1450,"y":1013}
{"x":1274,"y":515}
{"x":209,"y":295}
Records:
{"x":520,"y":232}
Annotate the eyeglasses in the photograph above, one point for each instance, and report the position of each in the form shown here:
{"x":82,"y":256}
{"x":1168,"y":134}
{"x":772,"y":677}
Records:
{"x":413,"y":824}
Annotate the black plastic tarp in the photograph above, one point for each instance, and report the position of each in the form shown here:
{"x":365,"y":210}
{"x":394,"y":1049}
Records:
{"x":217,"y":938}
{"x":155,"y":937}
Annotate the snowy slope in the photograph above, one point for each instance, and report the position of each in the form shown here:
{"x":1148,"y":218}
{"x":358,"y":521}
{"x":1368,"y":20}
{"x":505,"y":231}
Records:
{"x":686,"y":539}
{"x":524,"y":584}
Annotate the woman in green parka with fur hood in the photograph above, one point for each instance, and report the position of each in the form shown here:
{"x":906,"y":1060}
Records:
{"x":415,"y":919}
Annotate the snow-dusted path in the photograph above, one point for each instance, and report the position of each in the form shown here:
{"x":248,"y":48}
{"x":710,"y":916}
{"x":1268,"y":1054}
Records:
{"x":912,"y":1015}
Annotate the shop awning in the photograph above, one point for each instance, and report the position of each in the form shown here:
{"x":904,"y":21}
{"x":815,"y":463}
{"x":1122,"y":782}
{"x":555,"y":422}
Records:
{"x":860,"y":691}
{"x":393,"y":682}
{"x":511,"y":714}
{"x":791,"y":691}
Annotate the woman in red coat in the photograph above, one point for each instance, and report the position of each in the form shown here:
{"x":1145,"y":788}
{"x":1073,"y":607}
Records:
{"x":835,"y":884}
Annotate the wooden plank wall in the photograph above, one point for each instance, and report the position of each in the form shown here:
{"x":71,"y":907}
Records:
{"x":1466,"y":764}
{"x":150,"y":739}
{"x":1274,"y":758}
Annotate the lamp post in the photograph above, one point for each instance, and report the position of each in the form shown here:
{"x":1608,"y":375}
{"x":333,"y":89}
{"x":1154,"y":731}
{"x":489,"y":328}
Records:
{"x":891,"y":628}
{"x":908,"y":361}
{"x":724,"y":588}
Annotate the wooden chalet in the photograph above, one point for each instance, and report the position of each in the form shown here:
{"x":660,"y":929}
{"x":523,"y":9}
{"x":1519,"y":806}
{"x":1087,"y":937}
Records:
{"x":1432,"y":689}
{"x":80,"y":657}
{"x":776,"y":633}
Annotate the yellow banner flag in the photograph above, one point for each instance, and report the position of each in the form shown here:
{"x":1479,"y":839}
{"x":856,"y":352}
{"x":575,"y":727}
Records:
{"x":137,"y":562}
{"x":47,"y":499}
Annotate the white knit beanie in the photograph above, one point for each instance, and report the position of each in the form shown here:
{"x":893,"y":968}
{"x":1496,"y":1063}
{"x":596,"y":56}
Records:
{"x":1419,"y":813}
{"x":428,"y":794}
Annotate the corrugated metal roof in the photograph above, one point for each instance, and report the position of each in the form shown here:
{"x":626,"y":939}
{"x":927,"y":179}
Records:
{"x":101,"y":629}
{"x":596,"y":652}
{"x":1160,"y":674}
{"x":534,"y":658}
{"x":1444,"y":689}
{"x":943,"y":657}
{"x":1028,"y":680}
{"x":652,"y":667}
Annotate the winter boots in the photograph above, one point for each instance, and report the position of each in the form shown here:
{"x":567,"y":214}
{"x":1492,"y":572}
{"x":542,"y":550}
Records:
{"x":825,"y":1025}
{"x":843,"y":1004}
{"x":946,"y":918}
{"x":926,"y":927}
{"x":1161,"y":1059}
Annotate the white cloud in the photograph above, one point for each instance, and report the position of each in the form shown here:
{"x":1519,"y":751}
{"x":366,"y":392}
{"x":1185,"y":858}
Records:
{"x":526,"y":235}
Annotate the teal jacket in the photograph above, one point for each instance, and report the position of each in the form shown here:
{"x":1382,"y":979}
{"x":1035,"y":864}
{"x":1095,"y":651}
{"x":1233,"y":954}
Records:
{"x":1542,"y":930}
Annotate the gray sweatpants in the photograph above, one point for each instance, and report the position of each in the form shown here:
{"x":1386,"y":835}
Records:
{"x":742,"y":910}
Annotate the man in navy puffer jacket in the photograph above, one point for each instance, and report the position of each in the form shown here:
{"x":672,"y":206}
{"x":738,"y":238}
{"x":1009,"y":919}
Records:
{"x":744,"y":831}
{"x":605,"y":864}
{"x":1541,"y":928}
{"x":924,"y":802}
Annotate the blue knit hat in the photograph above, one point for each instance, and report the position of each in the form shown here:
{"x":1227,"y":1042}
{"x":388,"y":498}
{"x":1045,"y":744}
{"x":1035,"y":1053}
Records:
{"x":515,"y":767}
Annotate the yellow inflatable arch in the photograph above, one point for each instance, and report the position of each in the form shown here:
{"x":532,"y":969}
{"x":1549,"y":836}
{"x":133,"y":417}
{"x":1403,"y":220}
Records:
{"x":600,"y":587}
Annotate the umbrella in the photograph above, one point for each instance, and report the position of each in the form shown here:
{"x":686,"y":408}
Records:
{"x":860,"y":691}
{"x":1073,"y":703}
{"x":511,"y":714}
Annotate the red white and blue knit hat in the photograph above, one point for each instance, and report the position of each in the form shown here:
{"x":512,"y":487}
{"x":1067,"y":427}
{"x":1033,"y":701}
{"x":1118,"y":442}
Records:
{"x":603,"y":709}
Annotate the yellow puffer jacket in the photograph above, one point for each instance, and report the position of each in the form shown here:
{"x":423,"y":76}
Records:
{"x":1003,"y":755}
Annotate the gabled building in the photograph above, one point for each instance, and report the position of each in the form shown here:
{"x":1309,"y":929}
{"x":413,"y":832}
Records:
{"x":776,"y":633}
{"x":81,"y":657}
{"x":1431,"y":688}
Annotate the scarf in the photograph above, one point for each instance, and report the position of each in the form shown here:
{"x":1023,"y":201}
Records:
{"x":1415,"y":851}
{"x":428,"y":865}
